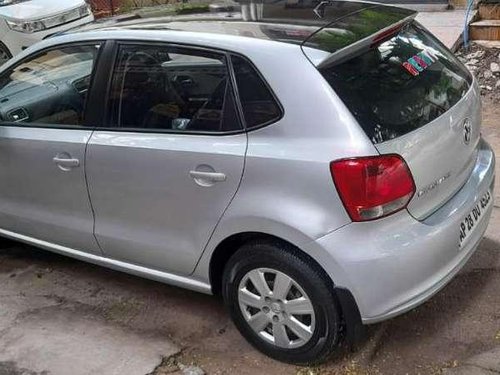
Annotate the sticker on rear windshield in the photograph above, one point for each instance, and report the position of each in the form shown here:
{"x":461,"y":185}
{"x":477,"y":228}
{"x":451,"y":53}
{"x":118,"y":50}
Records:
{"x":418,"y":63}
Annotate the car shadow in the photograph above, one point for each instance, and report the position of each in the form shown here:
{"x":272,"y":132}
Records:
{"x":123,"y":298}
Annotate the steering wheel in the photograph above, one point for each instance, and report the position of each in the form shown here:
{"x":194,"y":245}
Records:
{"x":173,"y":93}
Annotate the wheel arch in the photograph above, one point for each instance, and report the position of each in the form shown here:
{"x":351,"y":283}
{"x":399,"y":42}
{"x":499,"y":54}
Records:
{"x":6,"y":49}
{"x":354,"y":329}
{"x":227,"y":247}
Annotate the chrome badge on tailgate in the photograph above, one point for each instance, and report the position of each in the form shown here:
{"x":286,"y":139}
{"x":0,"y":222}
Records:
{"x":433,"y":185}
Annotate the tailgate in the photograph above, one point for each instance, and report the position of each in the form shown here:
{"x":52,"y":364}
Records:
{"x":413,"y":97}
{"x":440,"y":155}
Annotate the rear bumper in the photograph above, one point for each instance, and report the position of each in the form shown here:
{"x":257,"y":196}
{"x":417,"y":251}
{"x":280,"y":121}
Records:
{"x":396,"y":263}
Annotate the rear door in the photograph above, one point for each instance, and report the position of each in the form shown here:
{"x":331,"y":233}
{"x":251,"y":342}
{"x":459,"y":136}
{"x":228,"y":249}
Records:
{"x":414,"y":98}
{"x":43,"y":137}
{"x":163,"y":172}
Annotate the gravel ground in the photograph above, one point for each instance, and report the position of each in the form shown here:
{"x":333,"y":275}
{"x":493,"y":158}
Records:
{"x":485,"y":64}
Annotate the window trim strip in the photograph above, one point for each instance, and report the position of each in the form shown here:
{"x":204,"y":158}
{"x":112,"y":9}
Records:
{"x":107,"y":114}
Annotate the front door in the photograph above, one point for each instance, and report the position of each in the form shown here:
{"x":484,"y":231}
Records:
{"x":43,"y":137}
{"x":160,"y":180}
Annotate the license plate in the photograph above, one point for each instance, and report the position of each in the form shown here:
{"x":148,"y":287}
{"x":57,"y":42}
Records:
{"x":472,"y":218}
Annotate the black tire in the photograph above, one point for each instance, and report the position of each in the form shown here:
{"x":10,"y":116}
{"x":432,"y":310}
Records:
{"x":314,"y":282}
{"x":5,"y":54}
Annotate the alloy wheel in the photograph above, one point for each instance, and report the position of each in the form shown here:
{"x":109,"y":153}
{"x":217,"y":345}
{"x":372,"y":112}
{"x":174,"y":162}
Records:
{"x":4,"y":55}
{"x":276,"y":308}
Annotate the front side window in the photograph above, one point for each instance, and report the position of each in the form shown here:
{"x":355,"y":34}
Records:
{"x":49,"y":89}
{"x":171,"y":89}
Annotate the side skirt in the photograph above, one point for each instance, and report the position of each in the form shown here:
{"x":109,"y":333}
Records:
{"x":148,"y":273}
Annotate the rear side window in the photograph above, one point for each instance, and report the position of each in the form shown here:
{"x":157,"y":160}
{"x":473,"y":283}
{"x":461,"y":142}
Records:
{"x":166,"y":88}
{"x":258,"y":103}
{"x":399,"y":85}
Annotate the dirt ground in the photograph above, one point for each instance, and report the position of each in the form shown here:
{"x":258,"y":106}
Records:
{"x":462,"y":320}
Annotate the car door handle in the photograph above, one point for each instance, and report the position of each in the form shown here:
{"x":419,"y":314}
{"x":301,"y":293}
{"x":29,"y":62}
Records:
{"x":208,"y":176}
{"x":66,"y":162}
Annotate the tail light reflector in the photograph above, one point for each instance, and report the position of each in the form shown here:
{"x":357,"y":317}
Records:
{"x":373,"y":187}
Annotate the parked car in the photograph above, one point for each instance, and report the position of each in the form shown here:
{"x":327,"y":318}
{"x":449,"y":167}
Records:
{"x":25,"y":22}
{"x":319,"y":166}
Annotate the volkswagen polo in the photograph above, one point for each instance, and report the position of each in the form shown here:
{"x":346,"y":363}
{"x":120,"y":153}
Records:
{"x":320,"y":166}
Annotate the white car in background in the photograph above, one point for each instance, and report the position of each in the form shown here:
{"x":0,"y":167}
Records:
{"x":25,"y":22}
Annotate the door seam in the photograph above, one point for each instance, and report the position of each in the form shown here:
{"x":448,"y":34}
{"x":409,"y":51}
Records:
{"x":88,"y":192}
{"x":225,"y":210}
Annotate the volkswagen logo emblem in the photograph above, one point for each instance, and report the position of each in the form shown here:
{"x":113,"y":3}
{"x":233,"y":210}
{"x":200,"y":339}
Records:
{"x":467,"y":131}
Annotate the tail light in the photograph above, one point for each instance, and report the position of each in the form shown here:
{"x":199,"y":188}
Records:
{"x":373,"y":187}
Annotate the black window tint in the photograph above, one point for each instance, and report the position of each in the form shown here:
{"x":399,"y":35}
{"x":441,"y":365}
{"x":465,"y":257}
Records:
{"x":169,"y":88}
{"x":259,"y":105}
{"x":400,"y":84}
{"x":49,"y":89}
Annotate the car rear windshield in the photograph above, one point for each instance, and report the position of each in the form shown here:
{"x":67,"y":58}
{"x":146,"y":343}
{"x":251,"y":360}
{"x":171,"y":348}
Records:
{"x":400,"y":84}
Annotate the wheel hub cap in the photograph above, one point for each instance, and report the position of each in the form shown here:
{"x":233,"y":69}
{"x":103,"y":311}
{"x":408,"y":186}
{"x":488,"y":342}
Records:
{"x":276,"y":308}
{"x":4,"y":57}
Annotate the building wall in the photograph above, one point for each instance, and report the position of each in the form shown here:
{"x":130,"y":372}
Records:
{"x":103,"y":8}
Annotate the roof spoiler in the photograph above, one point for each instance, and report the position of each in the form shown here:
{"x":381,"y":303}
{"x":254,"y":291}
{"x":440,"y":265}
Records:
{"x":356,"y":31}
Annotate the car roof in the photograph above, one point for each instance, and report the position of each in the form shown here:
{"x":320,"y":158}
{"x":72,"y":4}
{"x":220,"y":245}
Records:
{"x":297,"y":22}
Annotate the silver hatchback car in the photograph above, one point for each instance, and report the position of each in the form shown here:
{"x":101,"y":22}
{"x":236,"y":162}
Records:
{"x":319,"y":165}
